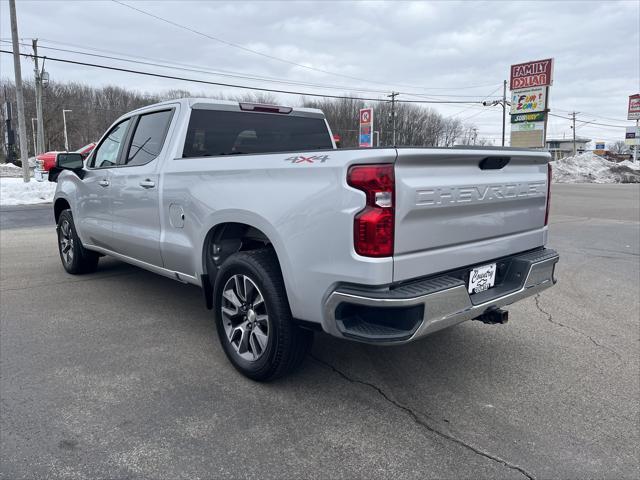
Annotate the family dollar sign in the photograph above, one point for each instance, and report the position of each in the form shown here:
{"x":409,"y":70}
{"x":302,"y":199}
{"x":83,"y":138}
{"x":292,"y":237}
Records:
{"x":538,"y":73}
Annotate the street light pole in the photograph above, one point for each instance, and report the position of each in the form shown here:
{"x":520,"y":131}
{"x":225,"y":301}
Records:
{"x":504,"y":104}
{"x":636,"y":146}
{"x":33,"y":129}
{"x":393,"y":115}
{"x":39,"y":85}
{"x":64,"y":121}
{"x":504,"y":108}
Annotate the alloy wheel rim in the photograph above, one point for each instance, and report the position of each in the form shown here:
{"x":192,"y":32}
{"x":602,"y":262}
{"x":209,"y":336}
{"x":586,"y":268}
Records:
{"x":244,"y":317}
{"x":66,"y":242}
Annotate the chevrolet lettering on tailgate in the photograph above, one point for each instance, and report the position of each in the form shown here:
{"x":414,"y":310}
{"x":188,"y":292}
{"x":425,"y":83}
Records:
{"x":479,"y":194}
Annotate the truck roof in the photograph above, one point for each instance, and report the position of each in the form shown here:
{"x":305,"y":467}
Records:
{"x":228,"y":105}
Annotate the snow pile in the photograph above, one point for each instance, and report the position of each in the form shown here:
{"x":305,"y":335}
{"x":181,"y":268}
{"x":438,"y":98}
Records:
{"x":590,"y":168}
{"x":13,"y":191}
{"x":10,"y":170}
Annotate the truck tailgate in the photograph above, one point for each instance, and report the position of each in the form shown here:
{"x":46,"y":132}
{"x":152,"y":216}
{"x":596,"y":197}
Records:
{"x":462,"y":207}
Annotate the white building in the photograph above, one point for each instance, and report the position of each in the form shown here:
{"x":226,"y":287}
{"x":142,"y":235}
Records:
{"x":563,"y":147}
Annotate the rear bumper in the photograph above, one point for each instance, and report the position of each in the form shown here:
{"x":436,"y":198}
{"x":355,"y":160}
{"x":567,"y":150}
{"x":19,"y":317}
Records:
{"x":402,"y":313}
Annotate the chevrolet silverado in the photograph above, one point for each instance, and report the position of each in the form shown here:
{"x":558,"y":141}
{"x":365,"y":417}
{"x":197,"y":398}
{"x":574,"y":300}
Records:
{"x":286,"y":234}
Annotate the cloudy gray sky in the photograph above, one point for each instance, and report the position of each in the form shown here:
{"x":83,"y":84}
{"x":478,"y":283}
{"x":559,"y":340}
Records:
{"x":440,"y":50}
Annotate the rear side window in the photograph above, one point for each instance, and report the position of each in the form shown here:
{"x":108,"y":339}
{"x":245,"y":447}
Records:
{"x":148,"y":138}
{"x":214,"y":132}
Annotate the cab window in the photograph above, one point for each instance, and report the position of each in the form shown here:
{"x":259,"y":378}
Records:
{"x":107,"y":153}
{"x":148,"y":138}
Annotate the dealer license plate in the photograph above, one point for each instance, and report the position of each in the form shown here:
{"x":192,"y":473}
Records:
{"x":482,"y":278}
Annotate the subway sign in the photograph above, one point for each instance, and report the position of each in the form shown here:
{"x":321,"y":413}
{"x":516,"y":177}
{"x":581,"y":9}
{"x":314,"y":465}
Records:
{"x":528,"y":117}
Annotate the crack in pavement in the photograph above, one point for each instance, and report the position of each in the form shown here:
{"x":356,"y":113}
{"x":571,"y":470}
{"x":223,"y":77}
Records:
{"x":575,"y":330}
{"x":416,"y":418}
{"x":621,"y":252}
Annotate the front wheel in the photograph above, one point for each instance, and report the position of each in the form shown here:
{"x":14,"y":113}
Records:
{"x":75,"y":258}
{"x":253,"y":318}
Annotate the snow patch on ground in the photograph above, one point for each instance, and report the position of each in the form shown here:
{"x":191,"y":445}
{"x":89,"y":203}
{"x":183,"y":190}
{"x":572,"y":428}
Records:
{"x":591,"y":168}
{"x":13,"y":191}
{"x":10,"y":170}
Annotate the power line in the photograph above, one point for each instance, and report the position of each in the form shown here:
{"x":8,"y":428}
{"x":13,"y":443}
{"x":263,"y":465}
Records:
{"x":592,"y":123}
{"x":466,"y":87}
{"x":245,"y":87}
{"x":593,"y":115}
{"x":473,"y":115}
{"x":465,"y":109}
{"x":256,"y":52}
{"x":231,"y":44}
{"x":224,"y":73}
{"x":221,"y":73}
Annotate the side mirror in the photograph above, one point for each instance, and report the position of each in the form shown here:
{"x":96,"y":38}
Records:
{"x":69,"y":161}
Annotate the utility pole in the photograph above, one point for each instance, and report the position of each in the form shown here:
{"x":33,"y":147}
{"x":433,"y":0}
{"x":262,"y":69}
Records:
{"x":393,"y":115}
{"x":9,"y":138}
{"x":22,"y":124}
{"x":504,"y":108}
{"x":39,"y":114}
{"x":64,"y":121}
{"x":573,"y":119}
{"x":504,"y":103}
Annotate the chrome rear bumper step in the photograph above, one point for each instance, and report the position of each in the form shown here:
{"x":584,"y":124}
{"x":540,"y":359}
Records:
{"x":401,"y":313}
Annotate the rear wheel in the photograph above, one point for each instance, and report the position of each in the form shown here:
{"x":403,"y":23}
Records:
{"x":253,"y":318}
{"x":75,"y":258}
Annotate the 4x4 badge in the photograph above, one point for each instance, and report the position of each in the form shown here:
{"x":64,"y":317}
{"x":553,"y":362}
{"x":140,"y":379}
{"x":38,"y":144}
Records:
{"x":311,"y":159}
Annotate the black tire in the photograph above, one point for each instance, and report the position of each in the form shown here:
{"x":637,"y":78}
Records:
{"x":74,"y":257}
{"x":286,"y":344}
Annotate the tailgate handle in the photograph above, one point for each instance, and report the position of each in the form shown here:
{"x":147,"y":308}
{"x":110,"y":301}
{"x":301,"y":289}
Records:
{"x":494,"y":163}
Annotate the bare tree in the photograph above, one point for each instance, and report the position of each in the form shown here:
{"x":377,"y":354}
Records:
{"x":94,"y":109}
{"x":256,"y":97}
{"x":618,"y":147}
{"x":415,"y":125}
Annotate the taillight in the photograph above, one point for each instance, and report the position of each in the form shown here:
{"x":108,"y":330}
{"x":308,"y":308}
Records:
{"x":373,"y":226}
{"x":549,"y":176}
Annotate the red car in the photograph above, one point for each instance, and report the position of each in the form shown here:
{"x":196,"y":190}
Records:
{"x":46,"y":160}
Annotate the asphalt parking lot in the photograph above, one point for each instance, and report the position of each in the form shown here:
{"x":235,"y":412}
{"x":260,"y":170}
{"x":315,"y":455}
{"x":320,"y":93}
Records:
{"x":119,"y":374}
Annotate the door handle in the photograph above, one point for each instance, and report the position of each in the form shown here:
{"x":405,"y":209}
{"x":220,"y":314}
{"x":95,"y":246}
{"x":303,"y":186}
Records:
{"x":103,"y":183}
{"x":147,"y":183}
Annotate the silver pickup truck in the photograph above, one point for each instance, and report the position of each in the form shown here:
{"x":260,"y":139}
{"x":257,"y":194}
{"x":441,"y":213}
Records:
{"x":285,"y":233}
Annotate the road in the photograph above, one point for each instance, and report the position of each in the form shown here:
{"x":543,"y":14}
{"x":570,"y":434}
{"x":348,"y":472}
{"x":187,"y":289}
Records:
{"x":21,"y":216}
{"x":119,"y":374}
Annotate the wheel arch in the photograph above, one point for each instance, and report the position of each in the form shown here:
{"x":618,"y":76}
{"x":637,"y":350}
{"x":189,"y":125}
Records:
{"x":59,"y":206}
{"x":226,"y":238}
{"x":236,"y":233}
